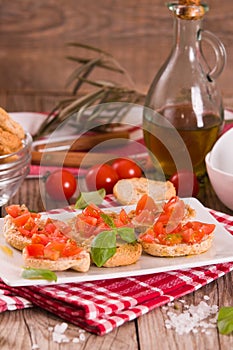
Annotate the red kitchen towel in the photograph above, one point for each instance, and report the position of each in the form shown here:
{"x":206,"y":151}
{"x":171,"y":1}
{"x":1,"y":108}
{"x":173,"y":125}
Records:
{"x":101,"y":306}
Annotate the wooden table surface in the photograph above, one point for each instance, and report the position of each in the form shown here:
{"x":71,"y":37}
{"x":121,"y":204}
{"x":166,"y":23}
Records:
{"x":22,"y":329}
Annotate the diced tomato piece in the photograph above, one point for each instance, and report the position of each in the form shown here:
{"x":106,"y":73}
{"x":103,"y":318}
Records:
{"x":34,"y":250}
{"x":53,"y":250}
{"x":124,"y":218}
{"x":90,"y":220}
{"x":194,"y":231}
{"x":158,"y":228}
{"x":92,"y":210}
{"x":58,"y":237}
{"x":208,"y":228}
{"x":71,"y":248}
{"x":51,"y":254}
{"x":24,"y":232}
{"x":35,"y":215}
{"x":192,"y":236}
{"x":14,"y":210}
{"x":117,"y":223}
{"x":22,"y":219}
{"x":29,"y":224}
{"x":148,"y":236}
{"x":40,"y":238}
{"x":146,"y":202}
{"x":50,"y":227}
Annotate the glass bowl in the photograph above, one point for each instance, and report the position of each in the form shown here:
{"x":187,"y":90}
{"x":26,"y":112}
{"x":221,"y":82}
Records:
{"x":14,"y":167}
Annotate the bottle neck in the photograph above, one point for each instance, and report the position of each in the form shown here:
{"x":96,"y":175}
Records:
{"x":186,"y":33}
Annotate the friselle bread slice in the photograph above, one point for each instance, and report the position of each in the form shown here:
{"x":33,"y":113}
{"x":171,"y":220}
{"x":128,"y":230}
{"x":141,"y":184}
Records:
{"x":126,"y":254}
{"x":176,"y":250}
{"x":129,"y":191}
{"x":80,"y":263}
{"x":13,"y":236}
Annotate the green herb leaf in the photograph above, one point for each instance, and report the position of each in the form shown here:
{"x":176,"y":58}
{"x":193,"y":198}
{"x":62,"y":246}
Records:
{"x":225,"y":320}
{"x":85,"y":198}
{"x":127,"y":234}
{"x":103,"y":247}
{"x":30,"y":273}
{"x":108,"y":220}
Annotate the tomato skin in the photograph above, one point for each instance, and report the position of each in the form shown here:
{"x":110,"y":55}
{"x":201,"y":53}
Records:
{"x":126,"y":168}
{"x":61,"y":185}
{"x":101,"y":176}
{"x":185,"y":183}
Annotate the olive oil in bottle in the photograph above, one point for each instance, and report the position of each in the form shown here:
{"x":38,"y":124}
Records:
{"x":183,"y":111}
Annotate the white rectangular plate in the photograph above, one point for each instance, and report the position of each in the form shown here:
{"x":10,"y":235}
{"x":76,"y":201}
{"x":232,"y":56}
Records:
{"x":220,"y":252}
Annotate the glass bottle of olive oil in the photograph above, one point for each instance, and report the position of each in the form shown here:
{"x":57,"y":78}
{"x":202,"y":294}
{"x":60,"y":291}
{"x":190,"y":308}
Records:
{"x":183,"y":112}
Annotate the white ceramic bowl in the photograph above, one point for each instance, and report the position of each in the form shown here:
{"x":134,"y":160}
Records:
{"x":219,"y":164}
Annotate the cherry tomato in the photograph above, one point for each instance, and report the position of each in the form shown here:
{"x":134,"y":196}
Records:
{"x":185,"y":183}
{"x":61,"y":185}
{"x":101,"y":176}
{"x":126,"y":168}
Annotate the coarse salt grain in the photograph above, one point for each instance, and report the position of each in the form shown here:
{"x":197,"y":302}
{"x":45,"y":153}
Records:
{"x":75,"y":340}
{"x":82,"y":337}
{"x":61,"y":328}
{"x":59,"y":336}
{"x":193,"y":318}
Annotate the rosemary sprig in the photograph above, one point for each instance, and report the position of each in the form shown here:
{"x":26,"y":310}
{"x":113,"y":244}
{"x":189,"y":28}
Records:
{"x":102,"y":92}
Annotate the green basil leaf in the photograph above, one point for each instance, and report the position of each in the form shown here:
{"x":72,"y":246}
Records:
{"x":108,"y":220}
{"x":127,"y":234}
{"x":225,"y":320}
{"x":30,"y":273}
{"x":103,"y":247}
{"x":85,"y":198}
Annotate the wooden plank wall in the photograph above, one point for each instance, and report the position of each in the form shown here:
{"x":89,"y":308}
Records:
{"x":34,"y":34}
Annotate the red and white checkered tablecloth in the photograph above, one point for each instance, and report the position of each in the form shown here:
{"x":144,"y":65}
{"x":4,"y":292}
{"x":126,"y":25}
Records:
{"x":101,"y":306}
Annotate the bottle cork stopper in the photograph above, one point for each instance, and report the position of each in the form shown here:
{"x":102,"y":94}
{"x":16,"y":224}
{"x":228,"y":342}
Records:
{"x":190,"y":9}
{"x":189,"y":2}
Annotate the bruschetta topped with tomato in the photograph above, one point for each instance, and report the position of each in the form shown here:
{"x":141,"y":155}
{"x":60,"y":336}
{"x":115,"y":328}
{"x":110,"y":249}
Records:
{"x":109,"y":236}
{"x":44,"y":243}
{"x":174,"y":234}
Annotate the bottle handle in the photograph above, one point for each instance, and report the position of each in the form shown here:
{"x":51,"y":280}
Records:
{"x":219,"y":50}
